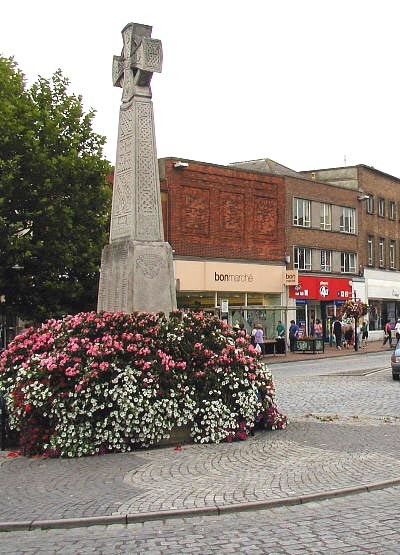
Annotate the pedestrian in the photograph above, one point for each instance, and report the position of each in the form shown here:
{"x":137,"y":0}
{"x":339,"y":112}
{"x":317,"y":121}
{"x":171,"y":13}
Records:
{"x":337,"y":332}
{"x":348,"y":335}
{"x":293,"y":335}
{"x":388,"y":334}
{"x":280,"y":338}
{"x":259,"y":339}
{"x":397,"y":330}
{"x":364,"y":332}
{"x":318,"y":328}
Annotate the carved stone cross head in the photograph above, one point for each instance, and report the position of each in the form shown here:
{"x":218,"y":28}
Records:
{"x":141,"y":56}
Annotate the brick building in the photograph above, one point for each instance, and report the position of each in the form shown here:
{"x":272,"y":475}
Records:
{"x":378,"y":238}
{"x":226,"y":226}
{"x":236,"y":229}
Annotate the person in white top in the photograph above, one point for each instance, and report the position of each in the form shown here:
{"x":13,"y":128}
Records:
{"x":397,"y":330}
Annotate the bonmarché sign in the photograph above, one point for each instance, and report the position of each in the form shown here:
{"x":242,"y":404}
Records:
{"x":234,"y":277}
{"x":196,"y":275}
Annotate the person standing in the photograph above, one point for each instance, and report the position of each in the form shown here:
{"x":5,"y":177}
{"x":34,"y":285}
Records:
{"x":280,"y":338}
{"x":293,"y":335}
{"x":364,"y":332}
{"x":397,"y":330}
{"x":337,"y":332}
{"x":388,"y":334}
{"x":318,"y":328}
{"x":259,"y":338}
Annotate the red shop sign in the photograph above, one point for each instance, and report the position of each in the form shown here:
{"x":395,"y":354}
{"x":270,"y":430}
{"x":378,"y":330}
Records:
{"x":321,"y":288}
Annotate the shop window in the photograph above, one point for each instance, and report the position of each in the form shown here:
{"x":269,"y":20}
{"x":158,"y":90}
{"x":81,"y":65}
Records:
{"x":302,"y":258}
{"x":263,"y":299}
{"x":233,"y":298}
{"x":204,"y":300}
{"x":301,"y":212}
{"x":348,"y":262}
{"x":347,"y":220}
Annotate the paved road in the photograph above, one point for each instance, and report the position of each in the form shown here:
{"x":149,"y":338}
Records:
{"x":361,"y":524}
{"x":343,"y":433}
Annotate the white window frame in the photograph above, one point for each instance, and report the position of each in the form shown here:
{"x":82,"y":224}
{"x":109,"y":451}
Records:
{"x":392,"y":255}
{"x":370,"y":204}
{"x":381,"y":250}
{"x":381,"y":207}
{"x":326,"y":261}
{"x":392,"y":210}
{"x":348,"y":262}
{"x":348,"y":220}
{"x":370,"y":250}
{"x":326,"y":217}
{"x":302,"y":258}
{"x":301,"y":212}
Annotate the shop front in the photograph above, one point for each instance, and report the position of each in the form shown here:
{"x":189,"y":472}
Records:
{"x":319,"y":297}
{"x":243,"y":294}
{"x":383,"y":293}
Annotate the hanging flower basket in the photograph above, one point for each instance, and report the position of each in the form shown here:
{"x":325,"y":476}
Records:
{"x":355,"y":309}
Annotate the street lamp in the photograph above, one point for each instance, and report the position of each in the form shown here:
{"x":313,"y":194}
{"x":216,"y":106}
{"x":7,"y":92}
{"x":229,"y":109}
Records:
{"x":360,"y":198}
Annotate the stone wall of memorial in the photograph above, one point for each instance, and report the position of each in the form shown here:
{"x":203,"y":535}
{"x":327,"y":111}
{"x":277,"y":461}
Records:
{"x":219,"y":212}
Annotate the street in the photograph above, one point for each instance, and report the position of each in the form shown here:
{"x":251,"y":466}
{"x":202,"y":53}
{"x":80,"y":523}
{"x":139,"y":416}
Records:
{"x":343,"y":433}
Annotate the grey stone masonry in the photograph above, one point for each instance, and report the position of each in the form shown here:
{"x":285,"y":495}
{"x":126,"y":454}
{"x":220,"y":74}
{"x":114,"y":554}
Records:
{"x":137,"y":265}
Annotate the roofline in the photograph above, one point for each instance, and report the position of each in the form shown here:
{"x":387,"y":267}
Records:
{"x":370,"y":168}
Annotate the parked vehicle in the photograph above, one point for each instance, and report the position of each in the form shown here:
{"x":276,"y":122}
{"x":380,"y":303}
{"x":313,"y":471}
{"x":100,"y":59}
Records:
{"x":395,"y":360}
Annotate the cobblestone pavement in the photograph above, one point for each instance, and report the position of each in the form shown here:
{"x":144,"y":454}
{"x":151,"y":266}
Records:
{"x":361,"y":524}
{"x":343,"y":433}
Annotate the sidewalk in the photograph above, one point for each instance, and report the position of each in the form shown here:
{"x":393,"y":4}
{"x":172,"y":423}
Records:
{"x":310,"y":460}
{"x":330,"y":351}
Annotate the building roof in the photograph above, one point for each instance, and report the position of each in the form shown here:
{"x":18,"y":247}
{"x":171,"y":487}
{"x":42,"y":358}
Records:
{"x":266,"y":165}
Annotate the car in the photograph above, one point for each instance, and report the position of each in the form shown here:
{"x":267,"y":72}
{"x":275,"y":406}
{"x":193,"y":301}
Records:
{"x":395,"y":360}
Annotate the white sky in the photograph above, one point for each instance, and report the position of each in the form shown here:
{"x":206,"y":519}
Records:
{"x":304,"y":82}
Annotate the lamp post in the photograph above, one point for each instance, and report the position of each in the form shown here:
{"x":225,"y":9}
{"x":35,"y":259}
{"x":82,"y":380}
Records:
{"x":360,"y":198}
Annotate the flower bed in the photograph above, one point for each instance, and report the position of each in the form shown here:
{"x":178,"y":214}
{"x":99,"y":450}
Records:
{"x":110,"y":382}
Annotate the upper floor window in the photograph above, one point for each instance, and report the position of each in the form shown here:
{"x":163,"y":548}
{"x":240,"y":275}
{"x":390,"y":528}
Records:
{"x":381,"y":207}
{"x":381,"y":252}
{"x":326,"y":216}
{"x":370,"y":250}
{"x":370,"y":204}
{"x":301,"y":212}
{"x":326,"y":261}
{"x":302,"y":258}
{"x":392,"y":210}
{"x":392,"y":255}
{"x":348,"y":262}
{"x":347,"y":220}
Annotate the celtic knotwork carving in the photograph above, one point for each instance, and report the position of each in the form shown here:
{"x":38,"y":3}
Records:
{"x":150,"y":264}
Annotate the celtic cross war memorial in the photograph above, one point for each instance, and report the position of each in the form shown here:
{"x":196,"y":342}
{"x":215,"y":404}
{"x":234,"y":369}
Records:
{"x":137,"y":265}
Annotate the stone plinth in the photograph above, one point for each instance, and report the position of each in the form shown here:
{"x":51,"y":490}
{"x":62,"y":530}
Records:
{"x":134,"y":275}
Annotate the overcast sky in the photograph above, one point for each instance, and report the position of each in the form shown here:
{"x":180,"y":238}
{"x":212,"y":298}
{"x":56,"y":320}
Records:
{"x":308,"y":83}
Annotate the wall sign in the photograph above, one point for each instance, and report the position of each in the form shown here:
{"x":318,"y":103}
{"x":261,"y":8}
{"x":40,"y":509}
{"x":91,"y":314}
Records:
{"x":321,"y":288}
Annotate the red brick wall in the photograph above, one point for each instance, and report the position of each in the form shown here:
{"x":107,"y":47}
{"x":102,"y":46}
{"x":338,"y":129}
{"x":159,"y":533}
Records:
{"x":218,"y":212}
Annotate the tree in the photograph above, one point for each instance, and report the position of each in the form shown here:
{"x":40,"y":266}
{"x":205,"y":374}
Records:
{"x":54,"y":197}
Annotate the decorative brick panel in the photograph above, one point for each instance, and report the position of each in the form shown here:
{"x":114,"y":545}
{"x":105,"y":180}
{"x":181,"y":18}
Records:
{"x":232,"y":213}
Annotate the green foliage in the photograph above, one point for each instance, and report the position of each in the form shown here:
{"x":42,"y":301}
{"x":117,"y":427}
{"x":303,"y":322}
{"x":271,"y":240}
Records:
{"x":54,"y":198}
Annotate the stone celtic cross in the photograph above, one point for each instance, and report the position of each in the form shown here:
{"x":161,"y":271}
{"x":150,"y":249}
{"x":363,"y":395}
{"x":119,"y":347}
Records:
{"x":141,"y":57}
{"x":137,"y":265}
